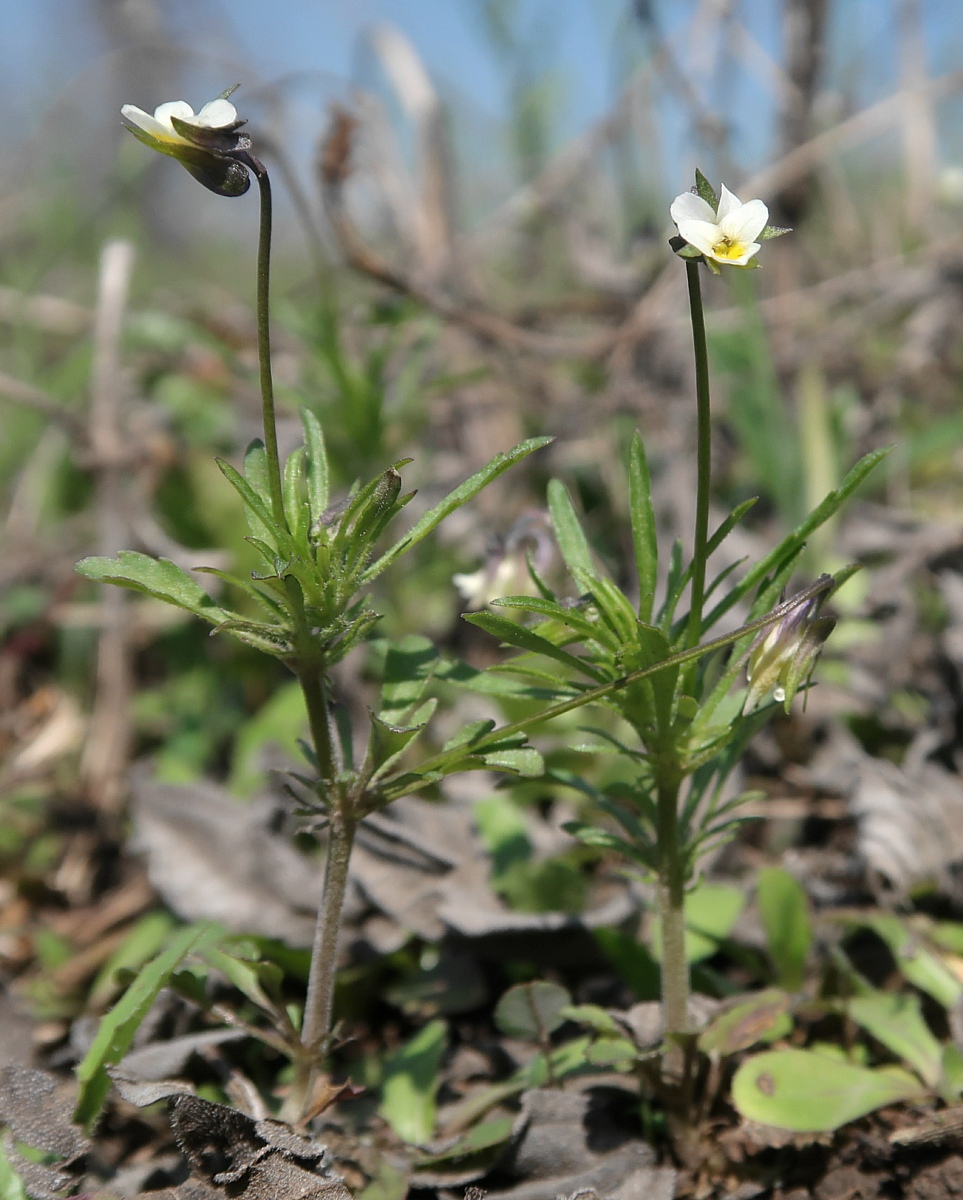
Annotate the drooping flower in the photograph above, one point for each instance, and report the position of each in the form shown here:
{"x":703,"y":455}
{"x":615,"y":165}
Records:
{"x":724,"y":235}
{"x":207,"y":143}
{"x":506,"y":568}
{"x":783,"y":655}
{"x":216,"y":114}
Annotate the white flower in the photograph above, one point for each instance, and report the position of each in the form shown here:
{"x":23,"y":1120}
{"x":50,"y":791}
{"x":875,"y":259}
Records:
{"x":727,"y":236}
{"x":216,"y":114}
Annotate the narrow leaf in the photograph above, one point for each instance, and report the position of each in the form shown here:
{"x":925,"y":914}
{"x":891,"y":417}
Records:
{"x":785,"y":918}
{"x":411,"y":1082}
{"x":526,"y":639}
{"x":318,"y":476}
{"x":454,"y":500}
{"x":118,"y":1027}
{"x":157,"y":577}
{"x":643,"y":526}
{"x":569,"y":534}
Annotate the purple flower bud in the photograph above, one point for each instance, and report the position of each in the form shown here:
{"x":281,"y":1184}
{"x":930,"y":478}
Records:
{"x":784,"y":654}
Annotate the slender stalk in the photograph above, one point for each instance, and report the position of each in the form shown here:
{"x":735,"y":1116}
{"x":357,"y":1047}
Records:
{"x":675,"y":968}
{"x":703,"y":455}
{"x":264,"y":346}
{"x":316,"y":702}
{"x":319,"y":1003}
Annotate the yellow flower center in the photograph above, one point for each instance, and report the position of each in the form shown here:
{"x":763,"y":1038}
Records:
{"x":725,"y":247}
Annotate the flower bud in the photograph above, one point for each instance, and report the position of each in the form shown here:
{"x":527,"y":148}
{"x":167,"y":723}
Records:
{"x":784,"y":654}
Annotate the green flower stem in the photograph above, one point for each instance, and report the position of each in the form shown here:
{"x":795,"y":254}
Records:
{"x":703,"y":455}
{"x":264,"y":346}
{"x":675,"y":967}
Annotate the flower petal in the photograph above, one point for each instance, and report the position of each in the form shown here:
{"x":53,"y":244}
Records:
{"x":144,"y":120}
{"x":173,"y":108}
{"x":690,"y":207}
{"x":701,"y":234}
{"x":216,"y":114}
{"x":745,"y":223}
{"x":728,"y":203}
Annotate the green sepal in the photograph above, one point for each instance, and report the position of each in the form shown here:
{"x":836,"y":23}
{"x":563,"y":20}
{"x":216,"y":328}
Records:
{"x":772,"y":231}
{"x":706,"y":191}
{"x":683,"y":249}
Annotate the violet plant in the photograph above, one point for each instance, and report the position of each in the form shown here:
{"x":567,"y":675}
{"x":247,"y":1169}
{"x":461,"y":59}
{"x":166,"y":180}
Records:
{"x":691,"y":700}
{"x":673,"y":683}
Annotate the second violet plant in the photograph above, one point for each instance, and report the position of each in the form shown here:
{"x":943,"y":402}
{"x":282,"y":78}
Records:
{"x":677,"y":687}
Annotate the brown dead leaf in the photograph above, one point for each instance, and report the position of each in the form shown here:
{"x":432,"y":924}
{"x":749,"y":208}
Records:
{"x":217,"y":858}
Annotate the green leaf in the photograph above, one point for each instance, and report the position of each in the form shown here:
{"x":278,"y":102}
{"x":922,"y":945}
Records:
{"x":570,"y":536}
{"x":711,"y":911}
{"x":571,"y":618}
{"x":409,"y":664}
{"x":157,"y":577}
{"x":295,"y":502}
{"x":487,"y":1135}
{"x":617,"y":1052}
{"x":920,"y":966}
{"x":526,"y":762}
{"x":454,"y":500}
{"x":526,"y":639}
{"x":598,"y":1019}
{"x":318,"y":475}
{"x":763,"y":1017}
{"x":807,"y":1092}
{"x":896,"y":1020}
{"x":772,"y":231}
{"x":532,"y":1011}
{"x":411,"y":1082}
{"x":784,"y":910}
{"x":644,"y":536}
{"x":792,"y":544}
{"x":257,"y":511}
{"x":389,"y":742}
{"x":142,"y":943}
{"x":118,"y":1027}
{"x":260,"y":981}
{"x":706,"y":191}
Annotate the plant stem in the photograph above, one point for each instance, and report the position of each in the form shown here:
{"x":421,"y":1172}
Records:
{"x":264,"y":346}
{"x":675,"y":968}
{"x":319,"y":1004}
{"x":703,"y":455}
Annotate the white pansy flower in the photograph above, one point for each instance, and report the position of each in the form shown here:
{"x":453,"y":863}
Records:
{"x":209,"y":144}
{"x":216,"y":114}
{"x":725,"y":236}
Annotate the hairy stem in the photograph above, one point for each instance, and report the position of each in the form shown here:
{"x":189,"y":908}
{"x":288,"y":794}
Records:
{"x":675,"y":968}
{"x":319,"y":1004}
{"x":703,"y":456}
{"x":264,"y":347}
